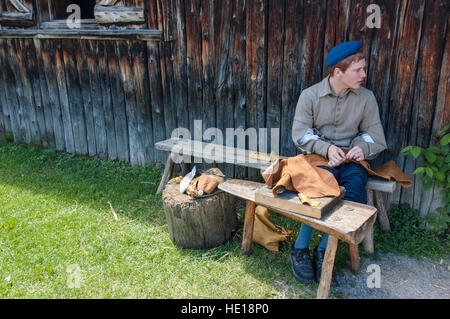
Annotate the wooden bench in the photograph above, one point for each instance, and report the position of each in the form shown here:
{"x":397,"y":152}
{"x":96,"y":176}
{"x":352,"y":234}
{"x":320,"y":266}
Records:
{"x":185,"y":148}
{"x":178,"y":147}
{"x":348,"y":221}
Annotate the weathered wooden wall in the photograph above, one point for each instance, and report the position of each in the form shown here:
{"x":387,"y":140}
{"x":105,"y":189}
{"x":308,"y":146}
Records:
{"x":237,"y":63}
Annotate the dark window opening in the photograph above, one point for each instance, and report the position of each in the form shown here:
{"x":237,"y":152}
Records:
{"x":57,"y":9}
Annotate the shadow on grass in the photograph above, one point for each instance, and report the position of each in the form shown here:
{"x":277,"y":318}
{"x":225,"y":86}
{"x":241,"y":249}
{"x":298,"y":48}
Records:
{"x":86,"y":181}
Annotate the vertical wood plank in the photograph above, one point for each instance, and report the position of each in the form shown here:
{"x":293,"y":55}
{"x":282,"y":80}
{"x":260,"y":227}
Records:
{"x":208,"y":20}
{"x":331,"y":30}
{"x":118,"y":102}
{"x":63,"y":99}
{"x":43,"y":87}
{"x":165,"y":97}
{"x":3,"y":92}
{"x":75,"y":99}
{"x":130,"y":91}
{"x":107,"y":104}
{"x":157,"y":80}
{"x":83,"y":77}
{"x":145,"y":128}
{"x":223,"y":47}
{"x":256,"y":59}
{"x":10,"y":90}
{"x":32,"y":74}
{"x":23,"y":111}
{"x":97,"y":100}
{"x":312,"y":50}
{"x":275,"y":59}
{"x":194,"y":63}
{"x":291,"y":73}
{"x":239,"y":85}
{"x":50,"y":72}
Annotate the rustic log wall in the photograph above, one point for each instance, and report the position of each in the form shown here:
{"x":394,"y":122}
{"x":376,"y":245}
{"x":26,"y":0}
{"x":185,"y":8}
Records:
{"x":237,"y":63}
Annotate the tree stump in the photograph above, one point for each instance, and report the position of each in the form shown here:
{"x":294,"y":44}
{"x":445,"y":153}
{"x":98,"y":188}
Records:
{"x":199,"y":222}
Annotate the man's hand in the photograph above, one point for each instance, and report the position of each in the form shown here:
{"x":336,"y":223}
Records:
{"x":336,"y":156}
{"x":356,"y":153}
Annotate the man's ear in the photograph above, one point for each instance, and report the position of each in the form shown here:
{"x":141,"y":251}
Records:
{"x":337,"y":72}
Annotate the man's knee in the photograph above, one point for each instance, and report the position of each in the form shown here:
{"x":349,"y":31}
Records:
{"x":354,"y":179}
{"x":354,"y":174}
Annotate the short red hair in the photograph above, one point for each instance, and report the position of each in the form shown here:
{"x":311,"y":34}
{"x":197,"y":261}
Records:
{"x":345,"y":63}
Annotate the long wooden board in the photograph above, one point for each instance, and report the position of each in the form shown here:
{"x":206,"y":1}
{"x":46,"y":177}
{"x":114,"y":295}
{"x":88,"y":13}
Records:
{"x":290,"y":201}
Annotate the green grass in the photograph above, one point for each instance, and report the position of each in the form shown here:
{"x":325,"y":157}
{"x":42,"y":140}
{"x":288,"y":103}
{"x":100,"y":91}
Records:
{"x":55,"y":214}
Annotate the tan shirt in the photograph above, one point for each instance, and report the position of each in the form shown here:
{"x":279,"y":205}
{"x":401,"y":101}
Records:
{"x":323,"y":118}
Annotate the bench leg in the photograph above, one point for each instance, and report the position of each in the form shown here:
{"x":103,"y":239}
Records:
{"x":368,"y":240}
{"x":327,"y":268}
{"x":249,"y":221}
{"x":167,"y":173}
{"x":354,"y":258}
{"x":383,"y":219}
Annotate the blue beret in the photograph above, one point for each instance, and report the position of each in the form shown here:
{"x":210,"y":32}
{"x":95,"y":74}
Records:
{"x":341,"y":51}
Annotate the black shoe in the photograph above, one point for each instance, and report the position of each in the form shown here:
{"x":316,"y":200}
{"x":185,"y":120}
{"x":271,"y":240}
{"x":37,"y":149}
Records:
{"x":318,"y":256}
{"x":302,"y":266}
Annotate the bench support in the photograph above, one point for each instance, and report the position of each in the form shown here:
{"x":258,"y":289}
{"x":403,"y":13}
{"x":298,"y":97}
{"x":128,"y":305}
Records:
{"x":354,"y":258}
{"x":383,"y":219}
{"x":167,"y":172}
{"x":368,"y":240}
{"x":249,"y":221}
{"x":327,"y":268}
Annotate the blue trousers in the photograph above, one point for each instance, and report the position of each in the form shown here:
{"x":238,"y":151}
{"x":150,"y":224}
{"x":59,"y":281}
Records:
{"x":354,"y":178}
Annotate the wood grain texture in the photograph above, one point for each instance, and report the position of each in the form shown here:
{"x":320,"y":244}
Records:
{"x":198,"y":223}
{"x":290,"y":201}
{"x":256,"y":59}
{"x":327,"y":268}
{"x":249,"y":221}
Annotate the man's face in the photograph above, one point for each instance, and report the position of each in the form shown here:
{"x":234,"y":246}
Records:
{"x":354,"y":75}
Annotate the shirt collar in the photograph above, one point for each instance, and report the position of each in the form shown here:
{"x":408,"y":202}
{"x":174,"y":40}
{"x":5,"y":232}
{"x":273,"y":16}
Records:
{"x":325,"y":88}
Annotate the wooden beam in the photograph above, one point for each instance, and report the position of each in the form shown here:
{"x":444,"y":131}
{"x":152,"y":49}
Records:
{"x":16,"y":18}
{"x":118,"y":14}
{"x":87,"y":34}
{"x":106,"y":2}
{"x":19,"y":6}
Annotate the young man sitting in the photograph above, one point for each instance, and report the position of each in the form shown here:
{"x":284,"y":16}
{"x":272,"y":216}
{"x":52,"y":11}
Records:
{"x":331,"y":116}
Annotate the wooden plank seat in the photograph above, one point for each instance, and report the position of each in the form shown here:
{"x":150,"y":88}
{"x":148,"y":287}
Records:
{"x":231,"y":155}
{"x":348,"y":221}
